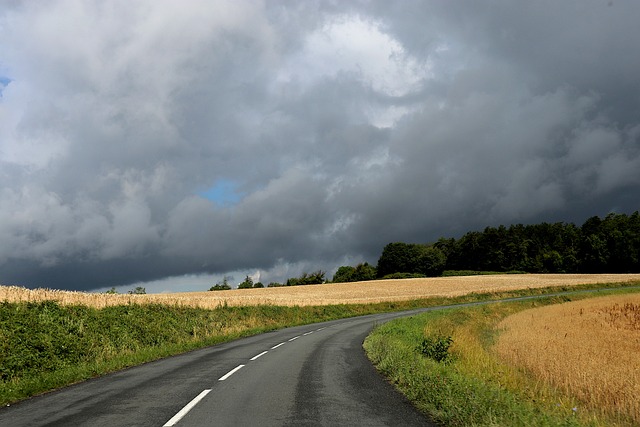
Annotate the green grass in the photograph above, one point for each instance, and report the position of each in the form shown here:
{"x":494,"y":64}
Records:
{"x":45,"y":345}
{"x":470,"y":386}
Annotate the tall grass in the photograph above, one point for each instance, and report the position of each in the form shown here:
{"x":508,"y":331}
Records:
{"x":473,"y":386}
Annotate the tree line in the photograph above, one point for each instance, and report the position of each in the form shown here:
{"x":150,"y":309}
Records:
{"x":601,"y":245}
{"x":315,"y":278}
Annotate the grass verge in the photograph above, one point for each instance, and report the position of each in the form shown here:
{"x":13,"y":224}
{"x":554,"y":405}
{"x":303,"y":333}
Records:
{"x":46,"y":345}
{"x":465,"y":383}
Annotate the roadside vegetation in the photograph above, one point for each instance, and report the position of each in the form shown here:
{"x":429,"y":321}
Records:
{"x":45,"y":344}
{"x":447,"y":363}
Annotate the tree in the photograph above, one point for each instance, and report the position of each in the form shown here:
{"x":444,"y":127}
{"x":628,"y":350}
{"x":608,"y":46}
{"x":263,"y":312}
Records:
{"x":258,"y":285}
{"x":246,"y":284}
{"x":139,"y":290}
{"x":468,"y":252}
{"x":344,"y":274}
{"x":411,"y":258}
{"x":432,"y":261}
{"x":609,"y":245}
{"x":399,"y":257}
{"x":111,"y":291}
{"x":224,"y":286}
{"x":315,"y":278}
{"x":364,"y":271}
{"x":360,"y":273}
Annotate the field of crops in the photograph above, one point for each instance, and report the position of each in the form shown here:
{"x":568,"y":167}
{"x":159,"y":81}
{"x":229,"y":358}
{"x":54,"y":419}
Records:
{"x":587,"y":348}
{"x":326,"y":294}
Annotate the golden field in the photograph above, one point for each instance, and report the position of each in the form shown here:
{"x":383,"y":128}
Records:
{"x":326,"y":294}
{"x":589,"y":349}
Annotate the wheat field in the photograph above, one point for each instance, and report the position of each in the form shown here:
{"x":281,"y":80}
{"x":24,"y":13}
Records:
{"x":334,"y":293}
{"x":589,"y":349}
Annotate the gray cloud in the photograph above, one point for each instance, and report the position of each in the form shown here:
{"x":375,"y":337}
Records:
{"x":339,"y":126}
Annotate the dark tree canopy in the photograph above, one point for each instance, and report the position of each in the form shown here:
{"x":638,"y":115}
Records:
{"x":609,"y":245}
{"x":315,"y":278}
{"x":427,"y":260}
{"x":359,"y":273}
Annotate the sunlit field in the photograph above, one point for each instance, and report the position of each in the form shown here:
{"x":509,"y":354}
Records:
{"x":326,"y":294}
{"x":587,"y":348}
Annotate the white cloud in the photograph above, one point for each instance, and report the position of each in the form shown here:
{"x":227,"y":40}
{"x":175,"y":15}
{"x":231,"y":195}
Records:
{"x":353,"y":46}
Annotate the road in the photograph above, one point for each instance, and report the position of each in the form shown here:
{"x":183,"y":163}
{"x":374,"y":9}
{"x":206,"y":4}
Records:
{"x":314,"y":375}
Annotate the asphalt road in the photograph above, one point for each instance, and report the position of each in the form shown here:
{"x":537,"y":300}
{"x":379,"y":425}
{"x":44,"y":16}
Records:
{"x":314,"y":375}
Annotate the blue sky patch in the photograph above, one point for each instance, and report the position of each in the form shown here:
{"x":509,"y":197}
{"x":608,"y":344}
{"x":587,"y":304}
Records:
{"x":4,"y":82}
{"x":224,"y":193}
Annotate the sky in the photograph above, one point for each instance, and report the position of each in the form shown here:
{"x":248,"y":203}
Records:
{"x":169,"y":144}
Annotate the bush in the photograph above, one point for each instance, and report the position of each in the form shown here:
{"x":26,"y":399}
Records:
{"x":436,"y":348}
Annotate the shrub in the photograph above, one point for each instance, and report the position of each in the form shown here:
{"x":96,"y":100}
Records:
{"x":436,"y":348}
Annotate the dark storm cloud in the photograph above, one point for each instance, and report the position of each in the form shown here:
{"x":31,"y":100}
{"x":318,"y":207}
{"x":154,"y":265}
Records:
{"x":340,"y":126}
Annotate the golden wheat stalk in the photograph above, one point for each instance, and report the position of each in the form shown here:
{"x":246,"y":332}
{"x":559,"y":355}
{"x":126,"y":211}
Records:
{"x":335,"y":293}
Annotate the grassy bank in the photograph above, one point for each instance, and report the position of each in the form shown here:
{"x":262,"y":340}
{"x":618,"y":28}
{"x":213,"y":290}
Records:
{"x":45,"y":345}
{"x":444,"y":363}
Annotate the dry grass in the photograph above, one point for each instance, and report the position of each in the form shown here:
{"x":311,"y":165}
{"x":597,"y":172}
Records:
{"x":589,"y":349}
{"x":327,"y":294}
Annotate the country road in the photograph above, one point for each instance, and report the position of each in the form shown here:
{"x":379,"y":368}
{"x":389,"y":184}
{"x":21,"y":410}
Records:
{"x":302,"y":376}
{"x":312,"y":375}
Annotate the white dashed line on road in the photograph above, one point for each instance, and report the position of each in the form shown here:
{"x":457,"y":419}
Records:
{"x":258,"y":355}
{"x":231,"y":372}
{"x":177,"y":417}
{"x":184,"y":411}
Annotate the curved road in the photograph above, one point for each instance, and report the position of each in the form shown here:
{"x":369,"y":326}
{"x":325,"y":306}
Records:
{"x":314,"y":375}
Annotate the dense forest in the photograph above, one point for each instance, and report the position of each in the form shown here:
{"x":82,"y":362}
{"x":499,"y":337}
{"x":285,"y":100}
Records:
{"x":609,"y":245}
